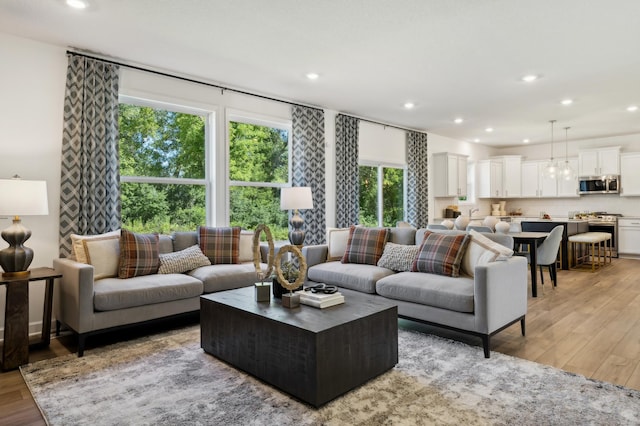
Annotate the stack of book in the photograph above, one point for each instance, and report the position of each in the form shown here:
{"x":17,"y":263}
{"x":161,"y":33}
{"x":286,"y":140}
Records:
{"x":320,"y":300}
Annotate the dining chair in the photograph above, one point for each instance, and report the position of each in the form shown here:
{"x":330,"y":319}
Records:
{"x":434,"y":226}
{"x":479,"y":228}
{"x":547,"y":254}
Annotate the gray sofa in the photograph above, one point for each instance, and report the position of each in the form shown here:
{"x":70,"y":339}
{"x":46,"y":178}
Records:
{"x":483,"y":305}
{"x":89,"y":306}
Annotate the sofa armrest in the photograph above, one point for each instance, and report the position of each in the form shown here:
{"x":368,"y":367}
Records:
{"x":73,"y":301}
{"x":315,"y":254}
{"x":500,"y":293}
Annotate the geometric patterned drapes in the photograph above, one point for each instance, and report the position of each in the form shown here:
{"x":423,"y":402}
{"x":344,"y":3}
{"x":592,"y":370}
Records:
{"x":90,"y":176}
{"x":347,"y":177}
{"x":308,"y":166}
{"x":417,"y":179}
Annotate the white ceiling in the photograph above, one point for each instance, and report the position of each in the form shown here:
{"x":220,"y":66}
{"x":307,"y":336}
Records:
{"x":450,"y":57}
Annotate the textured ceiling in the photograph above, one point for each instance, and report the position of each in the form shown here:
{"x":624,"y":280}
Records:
{"x":452,"y":58}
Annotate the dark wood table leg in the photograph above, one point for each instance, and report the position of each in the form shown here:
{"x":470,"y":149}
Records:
{"x":16,"y":325}
{"x":46,"y":315}
{"x":534,"y":266}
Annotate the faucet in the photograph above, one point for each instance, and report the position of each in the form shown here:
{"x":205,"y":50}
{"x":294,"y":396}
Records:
{"x":472,"y":211}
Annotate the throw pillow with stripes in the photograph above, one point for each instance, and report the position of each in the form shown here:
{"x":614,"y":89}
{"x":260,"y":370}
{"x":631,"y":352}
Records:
{"x":441,"y":254}
{"x":139,"y":254}
{"x":365,"y":245}
{"x":221,"y":245}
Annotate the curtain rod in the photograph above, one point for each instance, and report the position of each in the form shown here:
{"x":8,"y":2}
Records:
{"x":223,"y":88}
{"x":187,"y":79}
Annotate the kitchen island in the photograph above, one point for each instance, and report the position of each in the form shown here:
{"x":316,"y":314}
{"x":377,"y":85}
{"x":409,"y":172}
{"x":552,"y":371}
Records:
{"x":571,"y":227}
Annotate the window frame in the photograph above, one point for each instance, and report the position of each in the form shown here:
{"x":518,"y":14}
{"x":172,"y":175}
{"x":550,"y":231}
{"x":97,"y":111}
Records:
{"x":209,"y":117}
{"x":380,"y":184}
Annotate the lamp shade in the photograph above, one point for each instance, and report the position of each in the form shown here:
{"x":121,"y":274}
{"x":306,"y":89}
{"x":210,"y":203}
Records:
{"x":296,"y":198}
{"x":20,"y":197}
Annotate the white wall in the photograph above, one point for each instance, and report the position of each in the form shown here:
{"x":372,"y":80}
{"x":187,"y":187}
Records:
{"x":32,"y":84}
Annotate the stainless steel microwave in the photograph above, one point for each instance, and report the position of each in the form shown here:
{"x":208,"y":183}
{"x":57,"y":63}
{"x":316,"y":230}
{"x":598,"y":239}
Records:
{"x":609,"y":184}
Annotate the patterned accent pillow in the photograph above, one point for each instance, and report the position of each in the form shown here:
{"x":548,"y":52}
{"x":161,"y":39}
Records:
{"x":365,"y":245}
{"x":441,"y":254}
{"x":398,"y":257}
{"x":139,"y":254}
{"x":220,"y":245}
{"x":182,"y":261}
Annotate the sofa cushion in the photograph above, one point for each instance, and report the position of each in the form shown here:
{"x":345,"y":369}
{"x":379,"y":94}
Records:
{"x":398,"y":257}
{"x":245,"y":250}
{"x":441,"y":254}
{"x":402,"y":235}
{"x":337,"y":239}
{"x":365,"y":245}
{"x":480,"y":251}
{"x":183,"y":260}
{"x":115,"y":293}
{"x":139,"y":254}
{"x":184,"y":239}
{"x":226,"y":277}
{"x":221,"y":245}
{"x":77,"y":247}
{"x":348,"y":275}
{"x":165,"y":244}
{"x":103,"y":254}
{"x":454,"y":294}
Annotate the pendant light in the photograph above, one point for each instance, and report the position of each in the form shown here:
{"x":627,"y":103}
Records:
{"x":551,"y":169}
{"x":566,"y":171}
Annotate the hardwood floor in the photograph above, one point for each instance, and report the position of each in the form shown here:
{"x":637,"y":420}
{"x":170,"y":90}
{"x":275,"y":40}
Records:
{"x":589,"y":324}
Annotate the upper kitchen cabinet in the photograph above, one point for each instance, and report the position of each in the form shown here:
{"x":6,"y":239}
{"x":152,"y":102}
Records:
{"x":600,"y":161}
{"x":449,"y":175}
{"x":630,"y":174}
{"x":534,"y":183}
{"x":569,"y":188}
{"x":500,"y":177}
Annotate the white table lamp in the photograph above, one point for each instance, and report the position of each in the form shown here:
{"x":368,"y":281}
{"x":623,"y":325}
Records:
{"x":296,"y":198}
{"x":20,"y":198}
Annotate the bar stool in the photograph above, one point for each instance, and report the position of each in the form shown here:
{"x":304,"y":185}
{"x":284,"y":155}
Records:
{"x":583,"y":248}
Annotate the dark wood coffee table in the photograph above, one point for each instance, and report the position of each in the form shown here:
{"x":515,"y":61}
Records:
{"x":313,"y":354}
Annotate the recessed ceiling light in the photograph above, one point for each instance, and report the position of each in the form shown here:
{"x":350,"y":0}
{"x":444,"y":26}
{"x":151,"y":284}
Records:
{"x":409,"y":105}
{"x":313,"y":76}
{"x":77,"y":4}
{"x":525,"y":140}
{"x":529,"y":78}
{"x":566,"y":101}
{"x":632,"y":108}
{"x":458,"y":120}
{"x":489,"y":129}
{"x":476,"y":140}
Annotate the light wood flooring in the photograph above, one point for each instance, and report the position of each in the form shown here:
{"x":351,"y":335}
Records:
{"x":589,"y":324}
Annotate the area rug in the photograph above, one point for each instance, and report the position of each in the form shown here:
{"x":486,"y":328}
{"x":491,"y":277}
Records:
{"x":167,"y":379}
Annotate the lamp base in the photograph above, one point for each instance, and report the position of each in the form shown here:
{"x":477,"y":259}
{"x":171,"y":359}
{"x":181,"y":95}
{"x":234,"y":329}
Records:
{"x":19,"y":274}
{"x":16,"y":258}
{"x":296,"y":236}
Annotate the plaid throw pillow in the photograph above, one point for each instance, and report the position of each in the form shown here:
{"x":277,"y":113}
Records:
{"x":220,"y":245}
{"x":365,"y":245}
{"x":441,"y":254}
{"x":139,"y":254}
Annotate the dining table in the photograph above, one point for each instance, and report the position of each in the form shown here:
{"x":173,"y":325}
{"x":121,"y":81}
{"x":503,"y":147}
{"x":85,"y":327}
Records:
{"x":531,"y":240}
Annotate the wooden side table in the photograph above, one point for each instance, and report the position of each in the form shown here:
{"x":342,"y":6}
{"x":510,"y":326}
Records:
{"x":15,"y":349}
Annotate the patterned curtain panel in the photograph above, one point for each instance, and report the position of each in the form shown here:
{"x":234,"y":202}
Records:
{"x":347,"y":182}
{"x":90,"y":181}
{"x":417,"y":179}
{"x":309,"y":167}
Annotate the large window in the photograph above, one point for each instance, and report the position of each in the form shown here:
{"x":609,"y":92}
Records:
{"x":258,"y":169}
{"x":162,"y":167}
{"x":381,"y":195}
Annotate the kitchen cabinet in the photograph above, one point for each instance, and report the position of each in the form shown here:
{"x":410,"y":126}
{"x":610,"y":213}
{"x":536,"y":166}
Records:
{"x":600,"y":161}
{"x":629,"y":236}
{"x":630,"y":174}
{"x":449,"y":175}
{"x":490,"y":179}
{"x":500,"y":177}
{"x":534,"y":183}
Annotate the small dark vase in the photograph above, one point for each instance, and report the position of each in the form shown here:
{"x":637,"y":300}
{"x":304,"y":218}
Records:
{"x":278,"y":290}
